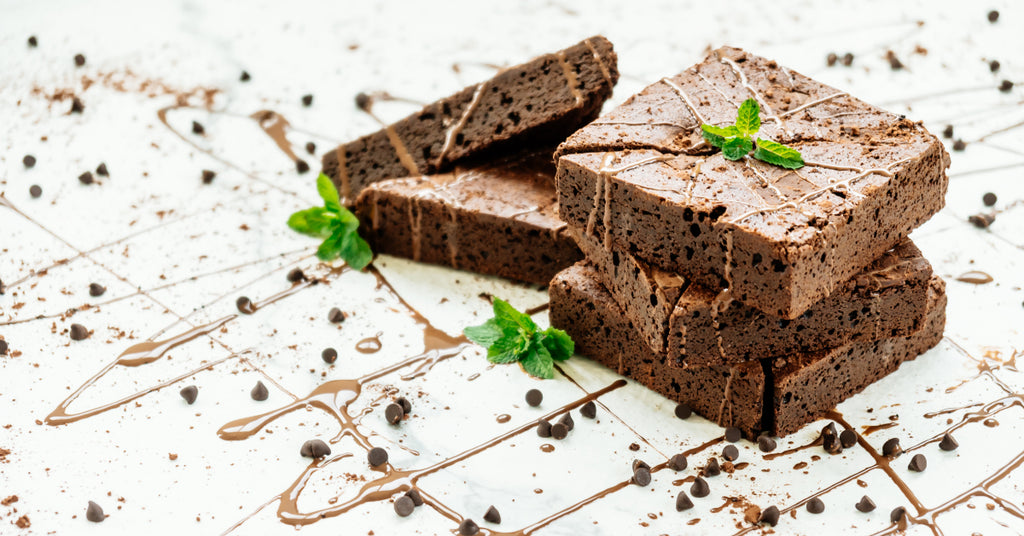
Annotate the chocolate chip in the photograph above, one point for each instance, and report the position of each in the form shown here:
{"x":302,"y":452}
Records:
{"x":404,"y":402}
{"x":79,"y":60}
{"x":815,"y":505}
{"x":640,"y":463}
{"x":35,"y":191}
{"x":296,"y":275}
{"x":700,"y":488}
{"x":414,"y":494}
{"x":589,"y":410}
{"x":981,"y":220}
{"x":364,"y":101}
{"x":96,"y":290}
{"x":894,"y":62}
{"x":86,"y":178}
{"x":28,"y":161}
{"x":677,"y":462}
{"x":492,"y":515}
{"x":733,"y":434}
{"x":314,"y":448}
{"x":307,"y":100}
{"x":891,"y":448}
{"x":731,"y":453}
{"x":534,"y":397}
{"x":712,"y":468}
{"x":559,"y":430}
{"x":848,"y":438}
{"x":79,"y":332}
{"x":310,"y":147}
{"x":831,"y":59}
{"x":377,"y":457}
{"x":190,"y":394}
{"x":865,"y":504}
{"x":898,"y":514}
{"x":94,"y":513}
{"x":948,"y":444}
{"x":208,"y":176}
{"x":989,"y":199}
{"x":567,"y":421}
{"x":3,"y":347}
{"x":683,"y":411}
{"x":993,"y":66}
{"x":329,"y":355}
{"x":766,"y":444}
{"x":1005,"y":86}
{"x":244,"y":305}
{"x":404,"y":506}
{"x":918,"y":463}
{"x":848,"y":59}
{"x":101,"y":170}
{"x":301,"y":166}
{"x":993,"y":16}
{"x":634,"y":447}
{"x":543,"y":428}
{"x":641,"y":477}
{"x":830,"y":430}
{"x":77,"y":106}
{"x":245,"y":76}
{"x":468,"y":528}
{"x":947,"y":132}
{"x":197,"y":128}
{"x":770,"y":516}
{"x":394,"y":413}
{"x":831,"y":444}
{"x":259,"y":392}
{"x":683,"y":502}
{"x":335,"y":316}
{"x":33,"y":41}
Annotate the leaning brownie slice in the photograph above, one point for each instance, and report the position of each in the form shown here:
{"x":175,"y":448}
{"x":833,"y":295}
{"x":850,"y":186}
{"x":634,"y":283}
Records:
{"x":499,"y":218}
{"x":772,"y":395}
{"x":642,"y":177}
{"x":887,"y":299}
{"x":545,"y":99}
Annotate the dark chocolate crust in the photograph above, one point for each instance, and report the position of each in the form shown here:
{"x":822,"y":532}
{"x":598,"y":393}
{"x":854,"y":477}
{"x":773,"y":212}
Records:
{"x":642,"y":178}
{"x":498,"y":219}
{"x":889,"y":298}
{"x":540,"y":101}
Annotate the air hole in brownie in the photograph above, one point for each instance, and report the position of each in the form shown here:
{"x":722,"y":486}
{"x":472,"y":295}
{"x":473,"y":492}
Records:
{"x":426,"y":153}
{"x":460,"y":139}
{"x":717,"y":212}
{"x":701,"y":216}
{"x":676,"y":387}
{"x":654,"y":300}
{"x":823,"y":256}
{"x":446,"y":109}
{"x":687,"y":214}
{"x":615,"y":258}
{"x":427,"y":116}
{"x":506,"y":100}
{"x":756,"y":259}
{"x":783,"y":323}
{"x":787,"y":398}
{"x":499,"y":129}
{"x":695,"y":229}
{"x":689,"y":253}
{"x":514,"y":117}
{"x":529,"y":107}
{"x":778,"y":266}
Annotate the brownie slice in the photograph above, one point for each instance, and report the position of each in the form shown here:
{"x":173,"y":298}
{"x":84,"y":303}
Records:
{"x":889,"y":298}
{"x":500,"y":218}
{"x":781,"y":240}
{"x":543,"y":100}
{"x":775,"y":395}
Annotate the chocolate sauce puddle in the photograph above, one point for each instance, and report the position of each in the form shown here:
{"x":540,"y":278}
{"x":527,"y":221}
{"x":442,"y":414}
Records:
{"x":275,"y":125}
{"x":370,"y":345}
{"x":975,"y":277}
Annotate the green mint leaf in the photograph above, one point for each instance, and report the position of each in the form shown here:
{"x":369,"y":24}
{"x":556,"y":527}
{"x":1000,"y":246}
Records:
{"x":314,"y":222}
{"x":325,"y":187}
{"x":558,"y":343}
{"x":737,"y":148}
{"x":538,"y":362}
{"x":508,"y":318}
{"x":508,"y":349}
{"x":485,"y":334}
{"x":778,"y":154}
{"x":331,"y":246}
{"x":355,"y":251}
{"x":748,"y":119}
{"x":717,"y":136}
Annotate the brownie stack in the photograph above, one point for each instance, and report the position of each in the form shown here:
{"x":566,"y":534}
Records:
{"x":759,"y":296}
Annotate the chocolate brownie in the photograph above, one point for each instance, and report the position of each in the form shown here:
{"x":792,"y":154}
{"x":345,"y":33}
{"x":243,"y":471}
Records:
{"x":774,"y":395}
{"x":889,"y":298}
{"x":500,"y":219}
{"x":781,"y":240}
{"x":543,"y":100}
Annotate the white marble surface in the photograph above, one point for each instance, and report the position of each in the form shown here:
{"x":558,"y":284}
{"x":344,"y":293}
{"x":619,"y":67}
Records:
{"x":174,"y":253}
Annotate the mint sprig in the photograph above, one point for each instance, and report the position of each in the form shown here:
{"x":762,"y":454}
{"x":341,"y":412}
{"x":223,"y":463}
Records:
{"x":336,"y":225}
{"x":512,"y":337}
{"x":737,"y":140}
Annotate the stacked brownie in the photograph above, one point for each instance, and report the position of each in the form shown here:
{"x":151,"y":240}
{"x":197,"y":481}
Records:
{"x":758,"y":295}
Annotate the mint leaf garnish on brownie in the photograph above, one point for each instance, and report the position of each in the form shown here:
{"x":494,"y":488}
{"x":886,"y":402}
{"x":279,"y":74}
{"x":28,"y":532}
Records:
{"x":736,"y":141}
{"x":336,"y":225}
{"x":513,"y":337}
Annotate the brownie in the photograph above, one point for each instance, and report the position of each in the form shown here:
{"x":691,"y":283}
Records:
{"x":889,"y":298}
{"x":781,"y":240}
{"x":541,"y":101}
{"x":499,"y":218}
{"x":774,"y":395}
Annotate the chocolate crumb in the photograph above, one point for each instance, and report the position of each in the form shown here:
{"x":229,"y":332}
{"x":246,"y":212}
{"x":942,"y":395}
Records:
{"x":190,"y":394}
{"x":296,"y":275}
{"x":314,"y":448}
{"x":894,"y":62}
{"x":770,"y":516}
{"x":3,"y":347}
{"x":559,"y":430}
{"x":959,"y":145}
{"x":301,"y":166}
{"x":683,"y":502}
{"x":197,"y":128}
{"x":79,"y":60}
{"x":414,"y":494}
{"x":848,"y":438}
{"x":534,"y":397}
{"x":404,"y":506}
{"x":731,"y":453}
{"x":377,"y":457}
{"x":634,"y":447}
{"x":733,"y":434}
{"x":947,"y":132}
{"x":981,"y":220}
{"x":589,"y":410}
{"x":245,"y":76}
{"x":259,"y":392}
{"x":35,"y":191}
{"x":700,"y":488}
{"x":897,"y":514}
{"x":918,"y":463}
{"x":79,"y":332}
{"x":993,"y":16}
{"x":683,"y":411}
{"x":865,"y":504}
{"x":101,"y":170}
{"x":28,"y":161}
{"x":86,"y":178}
{"x":712,"y":468}
{"x":335,"y":316}
{"x":244,"y":305}
{"x":989,"y":199}
{"x":993,"y":66}
{"x":307,"y":100}
{"x":677,"y":462}
{"x":1005,"y":86}
{"x":891,"y":448}
{"x":848,"y":59}
{"x":363,"y":101}
{"x":641,"y":477}
{"x":96,"y":290}
{"x":543,"y":428}
{"x":33,"y":41}
{"x":492,"y":515}
{"x":468,"y":528}
{"x":329,"y":355}
{"x":815,"y":505}
{"x":94,"y":513}
{"x":77,"y":106}
{"x":208,"y":176}
{"x":766,"y":444}
{"x":948,"y":444}
{"x":310,"y":147}
{"x":404,"y":402}
{"x":567,"y":421}
{"x":394,"y":413}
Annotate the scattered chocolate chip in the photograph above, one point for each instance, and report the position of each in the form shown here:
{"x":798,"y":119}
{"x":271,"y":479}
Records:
{"x":33,"y":41}
{"x":918,"y":463}
{"x":981,"y":220}
{"x":3,"y":347}
{"x":947,"y":132}
{"x":307,"y":100}
{"x":77,"y":106}
{"x":28,"y":161}
{"x":492,"y":515}
{"x":414,"y":494}
{"x":848,"y":59}
{"x":259,"y":392}
{"x":733,"y":434}
{"x":404,"y":506}
{"x":567,"y":421}
{"x":79,"y":60}
{"x":897,"y":514}
{"x":244,"y":305}
{"x":770,"y":516}
{"x":190,"y":394}
{"x":310,"y":147}
{"x":989,"y":199}
{"x":543,"y":428}
{"x":848,"y":438}
{"x":993,"y":66}
{"x":329,"y":355}
{"x":404,"y":402}
{"x":865,"y":504}
{"x":314,"y":448}
{"x":683,"y":502}
{"x":948,"y":444}
{"x":96,"y":290}
{"x":35,"y":191}
{"x":712,"y":468}
{"x":534,"y":397}
{"x":894,"y":62}
{"x":683,"y":411}
{"x":891,"y":448}
{"x":364,"y":101}
{"x":559,"y":431}
{"x":335,"y":316}
{"x":640,"y":463}
{"x":245,"y":76}
{"x":208,"y":176}
{"x":394,"y":413}
{"x":197,"y":128}
{"x":766,"y":444}
{"x":831,"y":444}
{"x":641,"y":477}
{"x":589,"y":410}
{"x":79,"y":332}
{"x":959,"y":145}
{"x":101,"y":170}
{"x":731,"y":453}
{"x":831,"y":59}
{"x":296,"y":275}
{"x":677,"y":462}
{"x":815,"y":505}
{"x":700,"y":488}
{"x":634,"y":447}
{"x":94,"y":513}
{"x":377,"y":457}
{"x":993,"y":16}
{"x":301,"y":166}
{"x":829,"y":430}
{"x":86,"y":178}
{"x":1005,"y":86}
{"x":468,"y":528}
